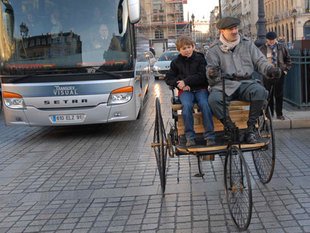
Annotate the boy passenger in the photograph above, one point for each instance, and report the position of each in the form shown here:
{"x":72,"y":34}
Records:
{"x":188,"y":74}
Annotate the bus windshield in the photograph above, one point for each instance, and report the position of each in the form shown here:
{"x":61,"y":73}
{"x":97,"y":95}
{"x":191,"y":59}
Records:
{"x":54,"y":34}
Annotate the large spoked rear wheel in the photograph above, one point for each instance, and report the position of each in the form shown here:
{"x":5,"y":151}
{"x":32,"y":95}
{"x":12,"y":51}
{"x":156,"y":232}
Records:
{"x":160,"y":146}
{"x":264,"y":159}
{"x":238,"y":188}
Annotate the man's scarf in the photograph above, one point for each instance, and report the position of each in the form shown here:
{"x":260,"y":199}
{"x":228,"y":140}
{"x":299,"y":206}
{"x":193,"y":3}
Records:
{"x":274,"y":54}
{"x":227,"y":45}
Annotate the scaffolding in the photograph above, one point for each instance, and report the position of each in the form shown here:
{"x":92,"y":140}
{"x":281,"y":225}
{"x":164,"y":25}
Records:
{"x":163,"y":21}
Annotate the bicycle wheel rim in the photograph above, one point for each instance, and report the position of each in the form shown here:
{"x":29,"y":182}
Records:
{"x":161,"y":148}
{"x":238,"y":188}
{"x":264,"y":159}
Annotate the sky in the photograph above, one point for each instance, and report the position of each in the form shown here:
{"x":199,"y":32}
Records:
{"x":200,"y":8}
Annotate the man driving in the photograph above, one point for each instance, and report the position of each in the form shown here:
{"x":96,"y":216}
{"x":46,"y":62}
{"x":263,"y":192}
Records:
{"x":237,"y":57}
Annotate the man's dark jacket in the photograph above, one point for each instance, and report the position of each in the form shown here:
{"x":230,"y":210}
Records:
{"x":284,"y":59}
{"x":191,"y":70}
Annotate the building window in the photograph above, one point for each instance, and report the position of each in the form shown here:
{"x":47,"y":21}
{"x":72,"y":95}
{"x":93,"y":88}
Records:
{"x":38,"y":41}
{"x":307,"y":6}
{"x":307,"y":30}
{"x":31,"y":44}
{"x":159,"y":33}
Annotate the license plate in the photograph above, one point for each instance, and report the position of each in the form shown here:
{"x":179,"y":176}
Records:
{"x":67,"y":118}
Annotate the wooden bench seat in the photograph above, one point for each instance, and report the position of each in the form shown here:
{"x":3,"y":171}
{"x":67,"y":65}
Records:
{"x":238,"y":111}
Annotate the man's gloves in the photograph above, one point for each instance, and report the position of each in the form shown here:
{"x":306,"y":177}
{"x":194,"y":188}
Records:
{"x":274,"y":72}
{"x":213,"y":72}
{"x":214,"y":75}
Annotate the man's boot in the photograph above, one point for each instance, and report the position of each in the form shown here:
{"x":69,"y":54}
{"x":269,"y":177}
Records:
{"x":229,"y":128}
{"x":255,"y":111}
{"x":250,"y":135}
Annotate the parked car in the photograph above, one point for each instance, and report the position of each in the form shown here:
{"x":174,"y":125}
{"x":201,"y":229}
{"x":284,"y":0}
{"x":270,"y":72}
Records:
{"x":144,"y":69}
{"x":145,"y":62}
{"x":162,"y":65}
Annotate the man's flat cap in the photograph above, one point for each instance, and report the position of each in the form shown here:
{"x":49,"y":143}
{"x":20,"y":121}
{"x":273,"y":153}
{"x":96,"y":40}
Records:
{"x":227,"y":22}
{"x":271,"y":35}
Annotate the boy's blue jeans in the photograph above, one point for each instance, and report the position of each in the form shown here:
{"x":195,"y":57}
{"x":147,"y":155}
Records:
{"x":188,"y":99}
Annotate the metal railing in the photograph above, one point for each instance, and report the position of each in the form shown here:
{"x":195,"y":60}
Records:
{"x":297,"y":82}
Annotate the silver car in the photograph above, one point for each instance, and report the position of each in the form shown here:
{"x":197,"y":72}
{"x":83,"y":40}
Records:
{"x":162,"y":65}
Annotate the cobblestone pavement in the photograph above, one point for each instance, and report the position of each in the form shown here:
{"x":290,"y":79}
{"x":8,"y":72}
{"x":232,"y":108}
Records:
{"x":104,"y":179}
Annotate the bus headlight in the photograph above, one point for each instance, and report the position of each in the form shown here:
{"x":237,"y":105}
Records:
{"x":13,"y":100}
{"x":121,"y":95}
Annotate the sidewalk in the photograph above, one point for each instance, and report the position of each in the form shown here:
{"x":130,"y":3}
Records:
{"x":294,"y":118}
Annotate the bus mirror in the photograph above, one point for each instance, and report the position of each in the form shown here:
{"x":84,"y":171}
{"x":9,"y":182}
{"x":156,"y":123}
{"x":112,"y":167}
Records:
{"x":134,"y":10}
{"x":120,"y":17}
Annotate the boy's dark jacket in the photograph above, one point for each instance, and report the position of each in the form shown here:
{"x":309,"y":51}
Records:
{"x":191,"y":70}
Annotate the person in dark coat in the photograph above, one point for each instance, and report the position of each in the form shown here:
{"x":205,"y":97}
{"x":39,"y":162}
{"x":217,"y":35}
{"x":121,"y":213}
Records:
{"x":277,"y":54}
{"x":188,"y":74}
{"x":152,"y":50}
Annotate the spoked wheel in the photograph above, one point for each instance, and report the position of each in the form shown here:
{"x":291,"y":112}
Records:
{"x":238,"y":188}
{"x":264,"y":159}
{"x":160,"y":146}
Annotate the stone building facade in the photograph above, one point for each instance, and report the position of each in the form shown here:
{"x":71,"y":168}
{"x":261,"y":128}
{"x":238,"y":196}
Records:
{"x":290,"y":19}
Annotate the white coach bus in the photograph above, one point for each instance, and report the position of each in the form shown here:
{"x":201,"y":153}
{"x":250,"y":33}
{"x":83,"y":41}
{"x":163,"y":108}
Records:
{"x":66,"y":62}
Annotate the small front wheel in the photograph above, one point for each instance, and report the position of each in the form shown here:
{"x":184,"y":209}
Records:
{"x":238,"y":188}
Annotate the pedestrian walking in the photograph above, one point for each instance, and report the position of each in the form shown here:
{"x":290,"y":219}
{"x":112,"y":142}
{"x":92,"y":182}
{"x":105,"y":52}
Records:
{"x":152,"y":50}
